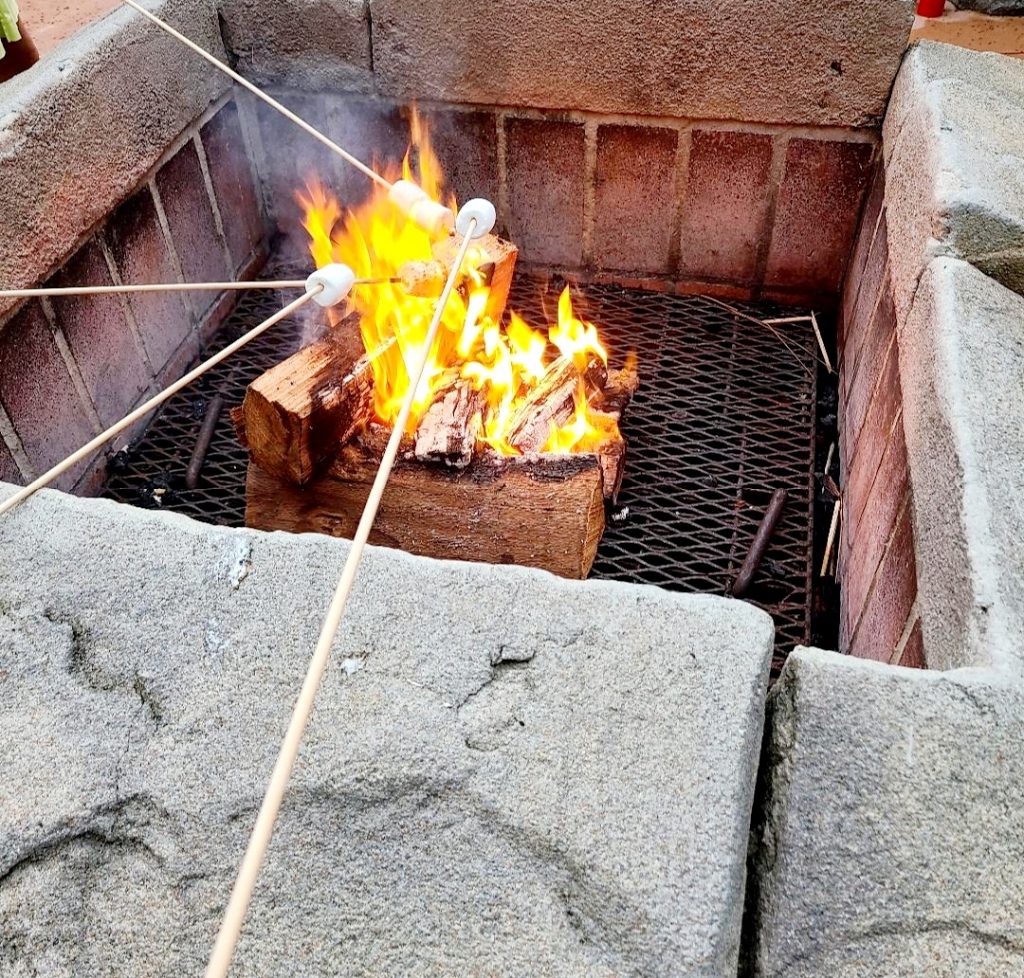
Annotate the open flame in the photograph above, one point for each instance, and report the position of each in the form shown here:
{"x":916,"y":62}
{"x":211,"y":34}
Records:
{"x":504,"y":361}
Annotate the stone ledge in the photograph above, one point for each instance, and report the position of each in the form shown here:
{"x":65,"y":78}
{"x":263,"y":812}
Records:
{"x":545,"y":776}
{"x":787,"y":61}
{"x":892,"y":839}
{"x":954,"y":151}
{"x":962,"y":371}
{"x":80,"y":130}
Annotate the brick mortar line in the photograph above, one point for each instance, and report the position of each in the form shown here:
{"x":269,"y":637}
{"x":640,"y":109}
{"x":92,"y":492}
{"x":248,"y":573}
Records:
{"x":256,"y":155}
{"x":501,"y":149}
{"x":587,"y":256}
{"x":172,"y":250}
{"x":862,"y":204}
{"x":71,"y":364}
{"x":913,"y":616}
{"x":211,"y":196}
{"x":776,"y":173}
{"x":9,"y":436}
{"x":903,"y":511}
{"x":892,"y":349}
{"x":886,"y":283}
{"x":680,"y":186}
{"x":126,"y":306}
{"x":871,"y":242}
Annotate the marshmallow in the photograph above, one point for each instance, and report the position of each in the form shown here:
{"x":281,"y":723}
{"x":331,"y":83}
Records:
{"x":336,"y":281}
{"x":480,"y":210}
{"x":415,"y":203}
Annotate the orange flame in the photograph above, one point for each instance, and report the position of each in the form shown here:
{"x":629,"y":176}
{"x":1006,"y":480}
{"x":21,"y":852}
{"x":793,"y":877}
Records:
{"x":503,"y":362}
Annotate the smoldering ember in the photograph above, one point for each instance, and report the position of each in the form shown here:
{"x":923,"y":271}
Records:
{"x":511,"y":489}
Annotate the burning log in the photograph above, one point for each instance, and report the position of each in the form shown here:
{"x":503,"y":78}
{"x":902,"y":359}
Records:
{"x":496,"y":270}
{"x":610,"y":403}
{"x":546,"y":511}
{"x":296,"y":414}
{"x":449,"y":429}
{"x":552,"y":402}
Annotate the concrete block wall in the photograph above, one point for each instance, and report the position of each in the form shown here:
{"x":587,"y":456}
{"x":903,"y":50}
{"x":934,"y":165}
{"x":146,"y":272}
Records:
{"x":71,"y":366}
{"x":674,"y":145}
{"x":879,"y":616}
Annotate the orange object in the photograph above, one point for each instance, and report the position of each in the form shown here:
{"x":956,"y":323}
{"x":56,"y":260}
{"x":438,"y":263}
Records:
{"x":931,"y":8}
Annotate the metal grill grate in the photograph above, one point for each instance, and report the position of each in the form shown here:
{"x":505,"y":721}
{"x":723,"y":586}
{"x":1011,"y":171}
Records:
{"x":724,"y":416}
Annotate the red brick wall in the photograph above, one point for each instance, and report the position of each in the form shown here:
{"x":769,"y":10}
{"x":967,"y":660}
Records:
{"x":732,"y":209}
{"x":879,"y":618}
{"x":71,"y":366}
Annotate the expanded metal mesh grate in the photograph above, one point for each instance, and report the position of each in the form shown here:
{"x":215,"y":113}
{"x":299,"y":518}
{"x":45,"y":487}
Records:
{"x":724,"y":416}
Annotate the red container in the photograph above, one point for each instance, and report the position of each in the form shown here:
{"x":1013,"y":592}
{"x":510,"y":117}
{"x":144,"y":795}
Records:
{"x":931,"y":8}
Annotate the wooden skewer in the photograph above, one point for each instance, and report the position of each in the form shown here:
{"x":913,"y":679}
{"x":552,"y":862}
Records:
{"x":837,"y":508}
{"x":241,"y":893}
{"x":821,"y":343}
{"x":260,"y":94}
{"x":154,"y":402}
{"x":171,"y":287}
{"x":786,"y":319}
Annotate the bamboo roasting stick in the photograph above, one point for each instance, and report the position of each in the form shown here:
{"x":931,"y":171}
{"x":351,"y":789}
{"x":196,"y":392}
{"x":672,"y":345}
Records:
{"x":74,"y":290}
{"x":241,"y":893}
{"x":143,"y":409}
{"x":260,"y":94}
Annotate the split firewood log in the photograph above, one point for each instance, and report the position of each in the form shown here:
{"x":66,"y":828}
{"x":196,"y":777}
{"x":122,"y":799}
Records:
{"x":297,"y":415}
{"x":610,"y":403}
{"x":450,"y":427}
{"x":552,"y":402}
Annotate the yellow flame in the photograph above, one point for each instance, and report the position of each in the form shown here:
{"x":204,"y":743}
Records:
{"x":504,"y":363}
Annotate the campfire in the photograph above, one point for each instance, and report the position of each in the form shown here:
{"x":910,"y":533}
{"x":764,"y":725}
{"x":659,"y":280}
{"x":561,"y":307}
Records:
{"x":513,"y":442}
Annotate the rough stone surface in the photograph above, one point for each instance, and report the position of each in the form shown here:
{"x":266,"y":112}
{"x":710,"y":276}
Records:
{"x":954,"y":147}
{"x":9,"y":471}
{"x":633,"y":230}
{"x":315,"y":44}
{"x":42,"y":403}
{"x":545,"y":189}
{"x":962,"y":371}
{"x":505,"y":773}
{"x":725,"y":210}
{"x":111,"y":100}
{"x":894,"y":828}
{"x":106,"y":349}
{"x":787,"y":61}
{"x":823,"y":184}
{"x":141,"y":254}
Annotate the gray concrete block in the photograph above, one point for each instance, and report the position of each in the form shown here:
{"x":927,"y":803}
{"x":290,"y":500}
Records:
{"x":78,"y":132}
{"x":505,"y":772}
{"x":892,"y":833}
{"x":954,"y":151}
{"x":786,"y":61}
{"x":313,"y":44}
{"x":962,"y":371}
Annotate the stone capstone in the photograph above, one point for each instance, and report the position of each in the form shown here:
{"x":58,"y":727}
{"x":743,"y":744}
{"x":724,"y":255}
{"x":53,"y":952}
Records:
{"x":893,"y":828}
{"x":785,"y":61}
{"x":962,"y":371}
{"x":505,"y":773}
{"x":954,"y":154}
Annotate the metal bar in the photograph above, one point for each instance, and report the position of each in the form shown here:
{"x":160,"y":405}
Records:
{"x":761,"y":540}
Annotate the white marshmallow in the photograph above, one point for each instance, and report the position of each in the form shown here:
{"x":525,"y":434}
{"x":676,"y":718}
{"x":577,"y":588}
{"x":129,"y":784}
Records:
{"x":416,"y":204}
{"x":434,"y":218}
{"x":480,"y":210}
{"x":337,"y":281}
